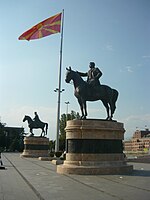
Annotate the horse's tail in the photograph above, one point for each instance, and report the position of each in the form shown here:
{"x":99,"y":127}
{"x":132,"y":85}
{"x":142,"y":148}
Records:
{"x":46,"y":127}
{"x":115,"y":94}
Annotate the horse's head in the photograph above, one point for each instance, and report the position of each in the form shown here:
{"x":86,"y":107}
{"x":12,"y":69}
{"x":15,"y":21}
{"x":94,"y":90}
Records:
{"x":68,"y":75}
{"x":75,"y":76}
{"x":25,"y":118}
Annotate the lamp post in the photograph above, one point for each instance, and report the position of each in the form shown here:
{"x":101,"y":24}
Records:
{"x":58,"y":117}
{"x":59,"y":90}
{"x":67,"y":103}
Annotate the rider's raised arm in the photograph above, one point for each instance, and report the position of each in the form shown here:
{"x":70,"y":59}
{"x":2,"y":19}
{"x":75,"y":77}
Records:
{"x":82,"y":74}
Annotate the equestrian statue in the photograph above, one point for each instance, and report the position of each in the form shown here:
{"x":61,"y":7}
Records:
{"x":36,"y":123}
{"x":92,"y":90}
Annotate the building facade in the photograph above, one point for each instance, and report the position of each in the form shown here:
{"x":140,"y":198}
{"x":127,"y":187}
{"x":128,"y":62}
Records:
{"x":140,"y":141}
{"x":11,"y":138}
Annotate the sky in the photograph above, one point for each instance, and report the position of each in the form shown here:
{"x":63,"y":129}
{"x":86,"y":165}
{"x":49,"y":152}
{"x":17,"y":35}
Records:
{"x":115,"y":34}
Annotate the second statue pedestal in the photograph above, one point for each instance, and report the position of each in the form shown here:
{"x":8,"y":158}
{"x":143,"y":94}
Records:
{"x":94,"y":147}
{"x":35,"y":147}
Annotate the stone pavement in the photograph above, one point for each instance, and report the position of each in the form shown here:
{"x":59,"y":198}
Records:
{"x":32,"y":179}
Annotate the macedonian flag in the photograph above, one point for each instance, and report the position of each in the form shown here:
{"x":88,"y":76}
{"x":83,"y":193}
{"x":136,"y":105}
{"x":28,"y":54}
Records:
{"x":47,"y":27}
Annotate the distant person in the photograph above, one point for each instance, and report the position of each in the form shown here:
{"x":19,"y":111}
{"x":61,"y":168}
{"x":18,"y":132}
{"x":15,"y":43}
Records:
{"x":93,"y":75}
{"x":1,"y":159}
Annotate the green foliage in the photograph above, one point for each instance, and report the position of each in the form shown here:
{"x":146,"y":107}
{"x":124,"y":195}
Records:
{"x":58,"y":154}
{"x":51,"y":145}
{"x":63,"y":120}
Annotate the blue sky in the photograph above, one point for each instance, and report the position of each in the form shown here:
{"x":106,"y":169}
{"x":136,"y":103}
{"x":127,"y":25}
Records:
{"x":115,"y":34}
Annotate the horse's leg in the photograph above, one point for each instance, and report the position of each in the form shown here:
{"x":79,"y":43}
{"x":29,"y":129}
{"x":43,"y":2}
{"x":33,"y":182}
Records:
{"x":111,"y":112}
{"x":46,"y":128}
{"x":81,"y":107}
{"x":113,"y":102}
{"x":112,"y":109}
{"x":85,"y":110}
{"x":42,"y":132}
{"x":107,"y":109}
{"x":31,"y":132}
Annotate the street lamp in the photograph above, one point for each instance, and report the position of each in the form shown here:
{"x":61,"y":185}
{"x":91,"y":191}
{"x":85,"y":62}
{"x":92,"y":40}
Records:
{"x":56,"y":90}
{"x":58,"y":117}
{"x":67,"y":103}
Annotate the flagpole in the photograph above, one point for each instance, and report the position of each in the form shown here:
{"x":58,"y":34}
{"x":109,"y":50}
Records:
{"x":59,"y":87}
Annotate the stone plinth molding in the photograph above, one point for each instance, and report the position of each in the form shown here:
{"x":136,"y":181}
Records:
{"x":94,"y":147}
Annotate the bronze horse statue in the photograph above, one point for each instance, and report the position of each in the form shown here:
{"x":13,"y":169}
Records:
{"x":84,"y":92}
{"x":35,"y":125}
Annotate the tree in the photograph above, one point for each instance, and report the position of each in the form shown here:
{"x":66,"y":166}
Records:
{"x":63,"y":120}
{"x":51,"y":145}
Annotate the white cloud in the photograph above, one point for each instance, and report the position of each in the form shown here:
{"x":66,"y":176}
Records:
{"x":109,"y":47}
{"x":129,"y":69}
{"x":146,"y":56}
{"x":133,"y":122}
{"x":140,"y":118}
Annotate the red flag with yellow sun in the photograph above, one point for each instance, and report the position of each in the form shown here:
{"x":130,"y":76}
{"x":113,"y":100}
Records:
{"x":47,"y":27}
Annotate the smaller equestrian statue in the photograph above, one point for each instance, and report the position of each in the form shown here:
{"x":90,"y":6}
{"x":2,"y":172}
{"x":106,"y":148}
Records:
{"x":83,"y":91}
{"x":36,"y":123}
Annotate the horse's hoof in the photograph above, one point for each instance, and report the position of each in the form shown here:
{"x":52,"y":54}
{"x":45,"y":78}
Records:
{"x":84,"y":117}
{"x":109,"y":119}
{"x":31,"y":135}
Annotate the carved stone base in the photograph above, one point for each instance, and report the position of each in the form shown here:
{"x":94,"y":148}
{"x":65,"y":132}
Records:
{"x":35,"y":147}
{"x":94,"y":147}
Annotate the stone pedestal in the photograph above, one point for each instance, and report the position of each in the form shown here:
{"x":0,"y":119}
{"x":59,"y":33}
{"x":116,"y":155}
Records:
{"x":94,"y":147}
{"x":35,"y":147}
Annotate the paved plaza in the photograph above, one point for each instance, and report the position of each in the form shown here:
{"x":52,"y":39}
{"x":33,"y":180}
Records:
{"x":32,"y":179}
